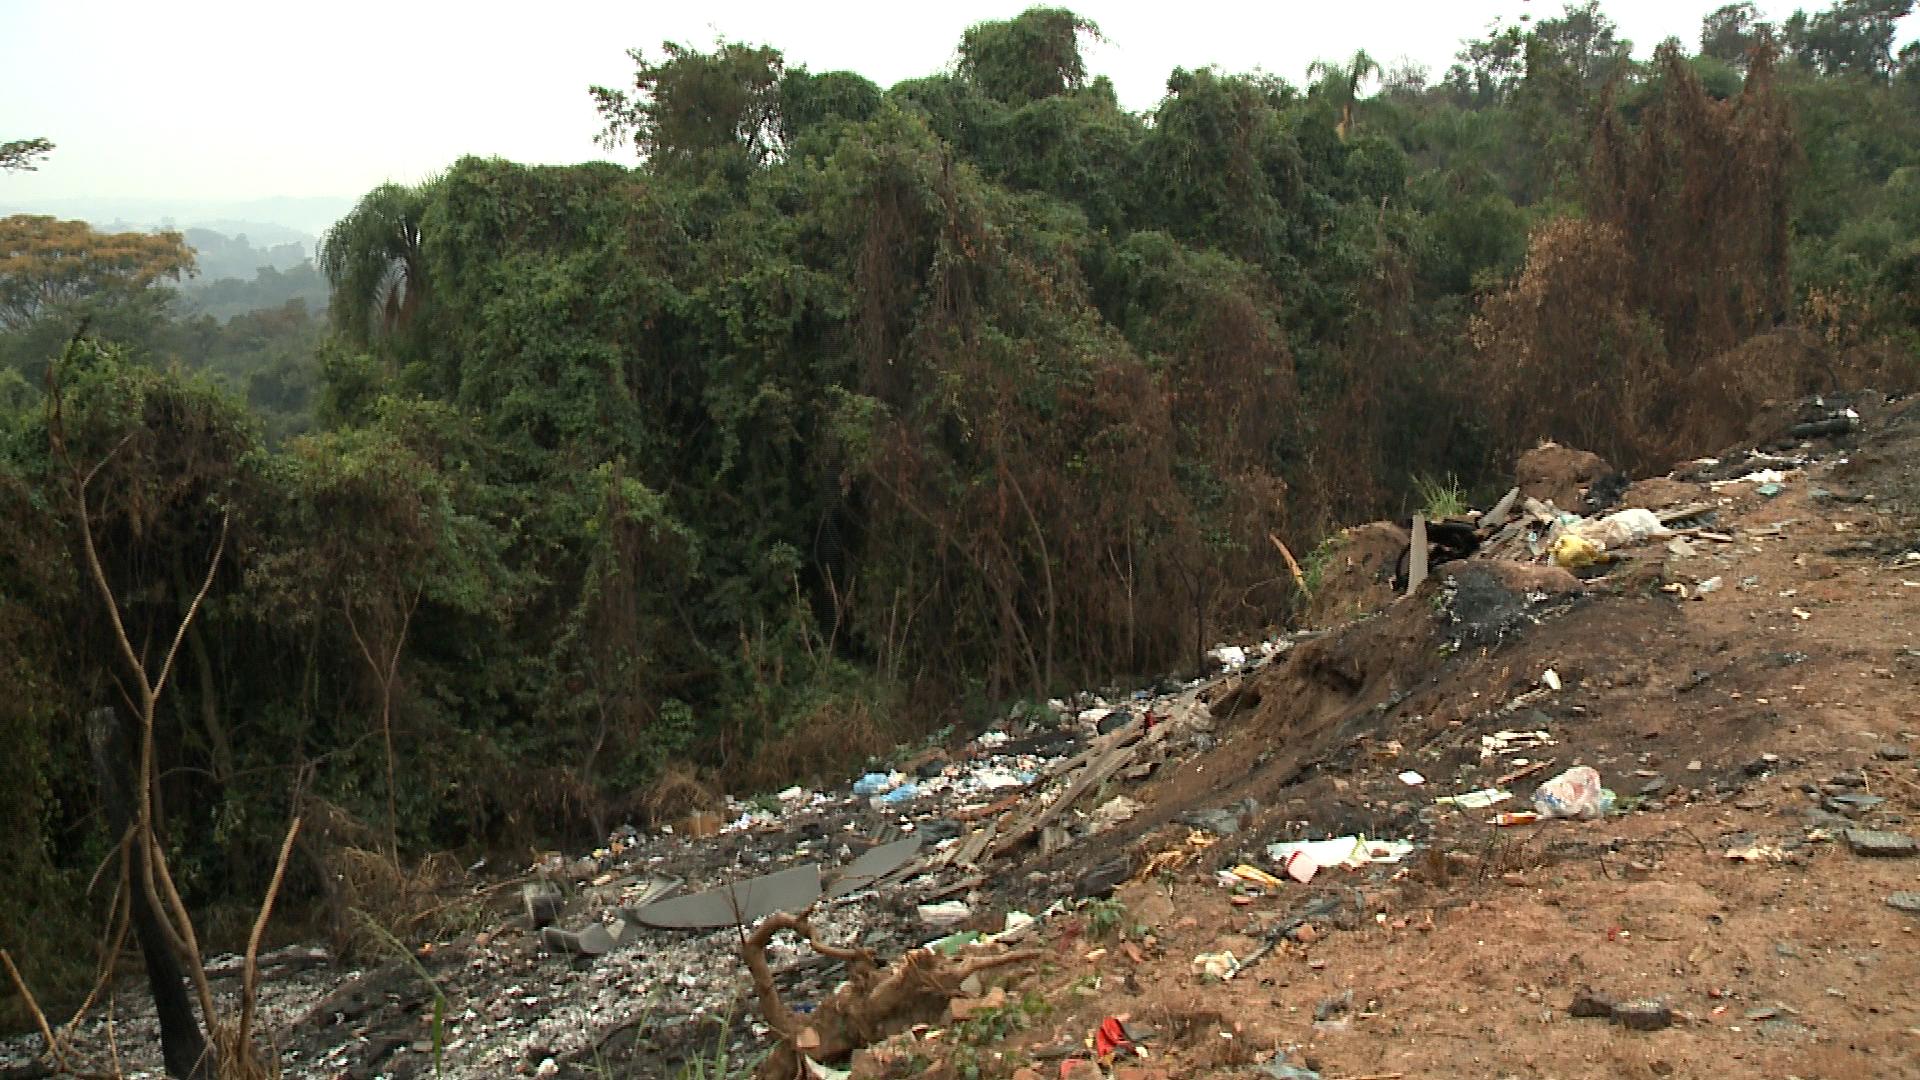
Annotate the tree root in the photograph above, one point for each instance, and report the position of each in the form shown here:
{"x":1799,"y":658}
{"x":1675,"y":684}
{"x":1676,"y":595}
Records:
{"x":873,"y":1003}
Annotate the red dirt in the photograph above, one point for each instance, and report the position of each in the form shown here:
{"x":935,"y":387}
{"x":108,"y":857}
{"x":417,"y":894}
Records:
{"x":1463,"y":961}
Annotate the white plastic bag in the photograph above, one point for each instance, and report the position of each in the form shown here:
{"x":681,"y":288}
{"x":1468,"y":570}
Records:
{"x":1575,"y":793}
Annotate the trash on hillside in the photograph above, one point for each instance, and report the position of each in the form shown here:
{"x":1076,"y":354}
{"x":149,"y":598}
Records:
{"x":1757,"y":852}
{"x":873,"y":864}
{"x":1114,"y":811}
{"x":1302,"y":859}
{"x":1111,"y":1039}
{"x":1769,"y":490}
{"x":874,"y":783}
{"x":1758,"y":476}
{"x":1510,"y":742}
{"x":1215,"y":965}
{"x":1550,"y":679}
{"x":1018,"y":923}
{"x":1515,"y":817}
{"x":1575,"y":793}
{"x":738,"y":904}
{"x":1278,"y":1068}
{"x":825,"y":1072}
{"x":944,"y":913}
{"x":904,"y":793}
{"x":1621,"y":529}
{"x":592,"y":940}
{"x":1412,"y":778}
{"x":1228,"y":657}
{"x":1255,"y":876}
{"x":543,"y":901}
{"x":1575,"y":552}
{"x":954,"y":942}
{"x":1475,"y":800}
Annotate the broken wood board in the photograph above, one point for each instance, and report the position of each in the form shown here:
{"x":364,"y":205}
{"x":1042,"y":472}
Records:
{"x":1417,"y":555}
{"x":1094,"y":774}
{"x":969,"y":852}
{"x":1497,"y":516}
{"x":1668,"y":517}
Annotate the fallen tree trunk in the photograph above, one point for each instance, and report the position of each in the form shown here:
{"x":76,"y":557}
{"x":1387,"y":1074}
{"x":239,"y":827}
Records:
{"x":872,"y":1004}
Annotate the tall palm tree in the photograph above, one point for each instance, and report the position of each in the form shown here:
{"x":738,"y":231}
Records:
{"x":1341,"y":84}
{"x":373,"y":263}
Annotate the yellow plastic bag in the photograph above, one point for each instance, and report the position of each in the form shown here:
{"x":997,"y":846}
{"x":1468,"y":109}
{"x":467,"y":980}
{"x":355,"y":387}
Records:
{"x":1574,"y":552}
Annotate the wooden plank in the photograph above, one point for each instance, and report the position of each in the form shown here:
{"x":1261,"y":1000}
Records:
{"x":1417,"y":555}
{"x":1668,"y":517}
{"x":1497,"y":516}
{"x":975,"y":845}
{"x":1091,"y":776}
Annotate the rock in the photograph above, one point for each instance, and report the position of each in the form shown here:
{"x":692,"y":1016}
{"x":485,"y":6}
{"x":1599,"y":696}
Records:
{"x":1852,"y":805}
{"x":1591,"y":1006}
{"x":1873,"y":843}
{"x":1080,"y":1069}
{"x":1278,"y":1068}
{"x":1655,"y":786}
{"x":543,"y":902}
{"x":1219,"y":822}
{"x":1337,"y":1005}
{"x":932,"y":767}
{"x":1848,"y":780}
{"x":1892,"y":752}
{"x":1647,"y":1015}
{"x":1908,"y":902}
{"x":1100,"y":881}
{"x":1113,"y":721}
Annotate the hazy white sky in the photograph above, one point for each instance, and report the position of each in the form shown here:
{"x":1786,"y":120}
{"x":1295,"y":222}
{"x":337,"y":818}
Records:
{"x":216,"y":99}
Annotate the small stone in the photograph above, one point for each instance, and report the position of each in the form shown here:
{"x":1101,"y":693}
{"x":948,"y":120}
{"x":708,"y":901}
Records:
{"x":543,"y":902}
{"x":1908,"y":902}
{"x":1848,"y":779}
{"x":1892,"y":752}
{"x":1589,"y":1005}
{"x":1766,"y":1013}
{"x":1643,"y":1015}
{"x":1874,"y":843}
{"x":1655,"y":786}
{"x":1852,"y":805}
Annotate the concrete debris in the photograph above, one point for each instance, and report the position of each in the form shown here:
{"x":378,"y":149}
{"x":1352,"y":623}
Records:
{"x":1874,"y":843}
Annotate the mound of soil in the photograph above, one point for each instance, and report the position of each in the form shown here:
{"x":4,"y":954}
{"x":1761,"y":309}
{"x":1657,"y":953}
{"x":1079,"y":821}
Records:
{"x":1559,"y":474}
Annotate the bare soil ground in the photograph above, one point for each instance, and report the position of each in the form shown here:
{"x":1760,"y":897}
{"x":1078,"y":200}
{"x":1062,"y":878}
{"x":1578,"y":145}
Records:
{"x":1722,"y":723}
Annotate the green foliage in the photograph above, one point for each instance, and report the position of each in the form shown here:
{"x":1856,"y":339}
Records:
{"x":1440,"y":499}
{"x":1032,"y":56}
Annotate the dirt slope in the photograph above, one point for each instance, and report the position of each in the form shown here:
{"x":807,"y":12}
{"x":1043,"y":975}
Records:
{"x":1723,"y":723}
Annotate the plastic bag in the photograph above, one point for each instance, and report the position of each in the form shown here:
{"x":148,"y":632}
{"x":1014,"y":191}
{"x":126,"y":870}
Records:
{"x":1575,"y":793}
{"x":1573,"y":551}
{"x":1621,"y":529}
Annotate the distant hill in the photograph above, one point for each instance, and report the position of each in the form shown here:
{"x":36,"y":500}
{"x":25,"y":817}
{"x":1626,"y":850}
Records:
{"x":276,"y":220}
